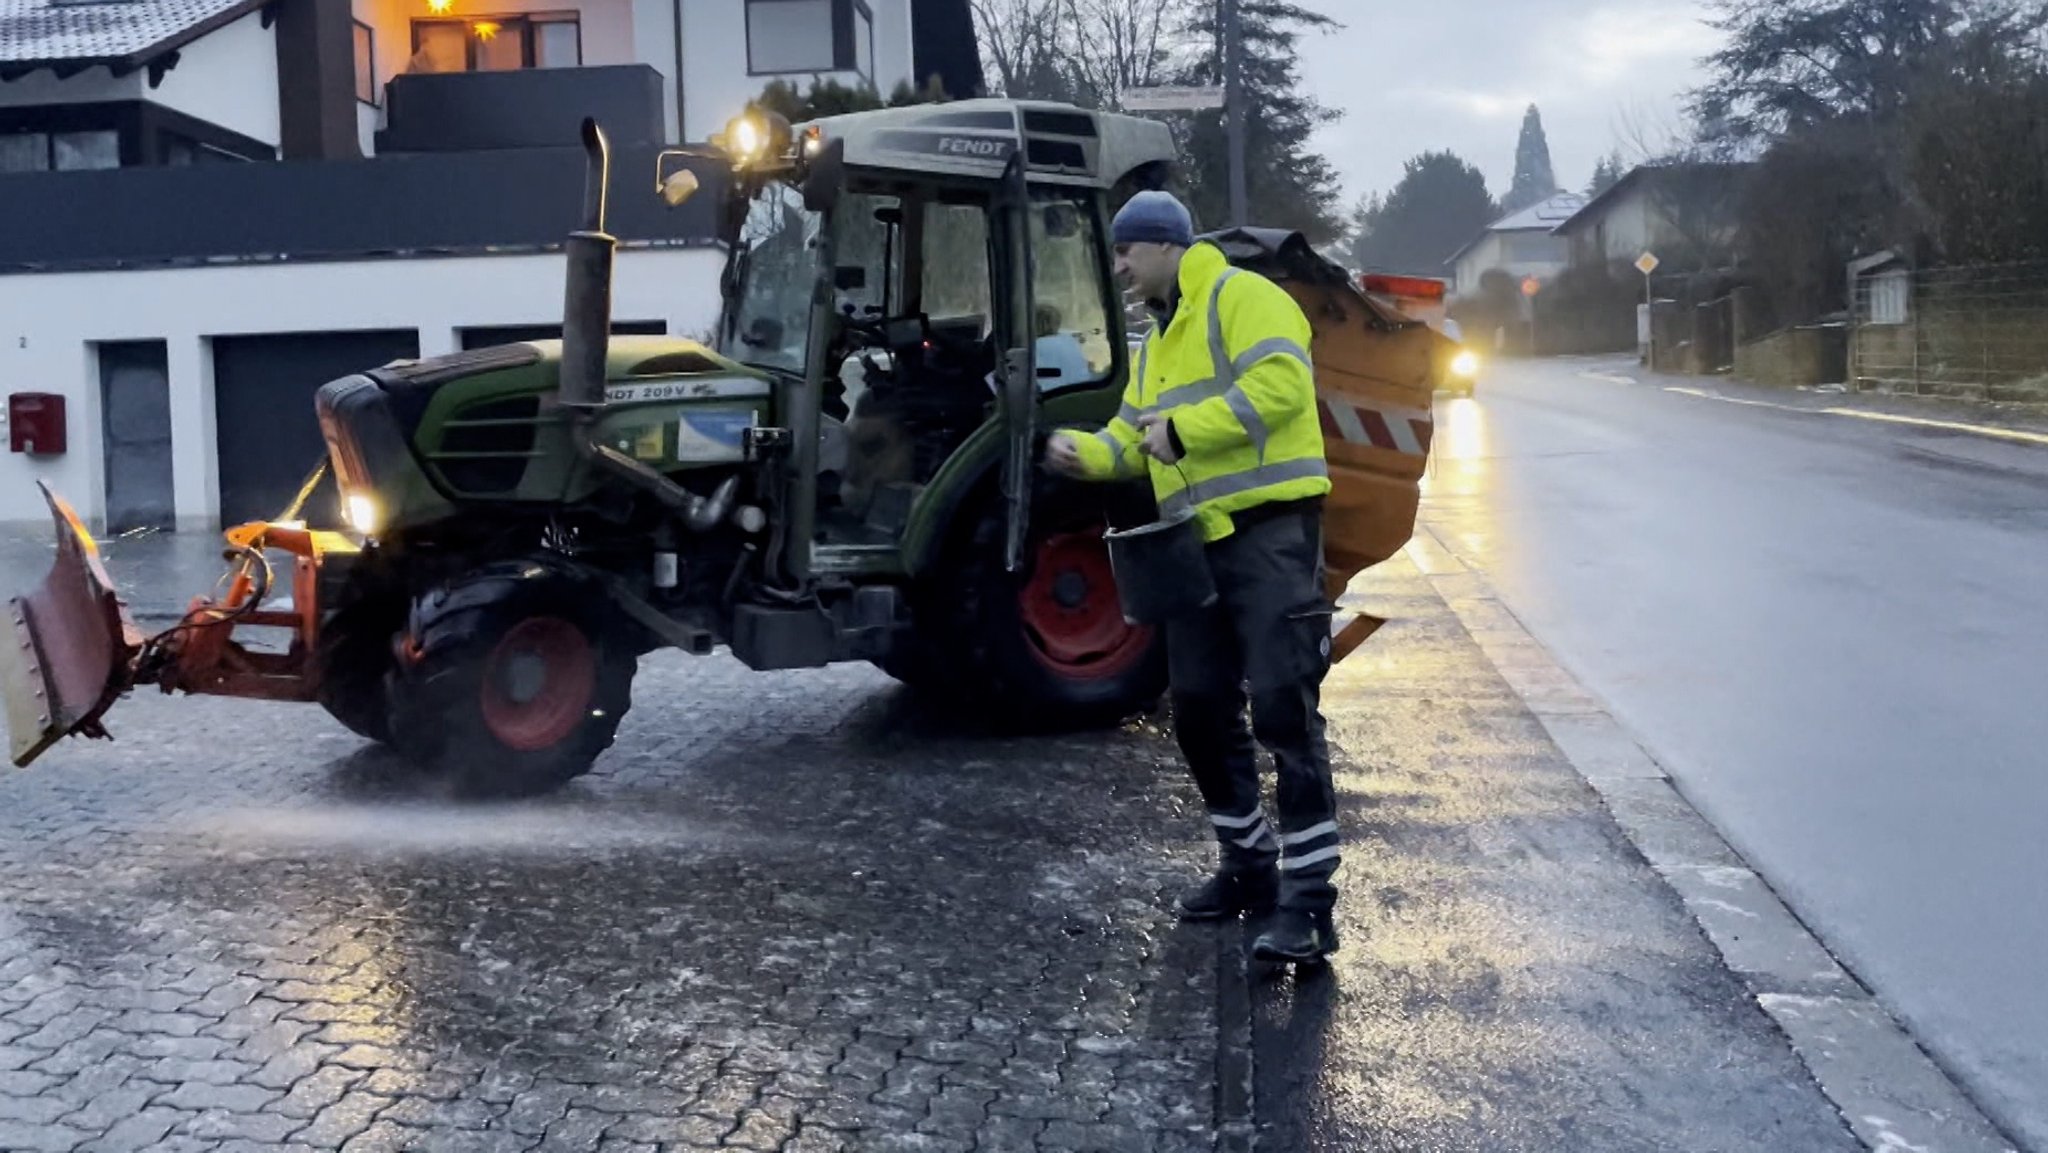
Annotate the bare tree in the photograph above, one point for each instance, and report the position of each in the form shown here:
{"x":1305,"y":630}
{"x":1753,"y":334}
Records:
{"x":1122,"y":44}
{"x":1084,"y":51}
{"x":1026,"y":45}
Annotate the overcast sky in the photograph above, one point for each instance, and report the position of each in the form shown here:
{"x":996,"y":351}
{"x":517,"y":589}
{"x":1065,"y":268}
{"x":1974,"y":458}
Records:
{"x":1458,"y":74}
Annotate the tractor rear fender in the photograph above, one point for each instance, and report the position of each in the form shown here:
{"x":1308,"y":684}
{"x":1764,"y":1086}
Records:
{"x":976,"y":462}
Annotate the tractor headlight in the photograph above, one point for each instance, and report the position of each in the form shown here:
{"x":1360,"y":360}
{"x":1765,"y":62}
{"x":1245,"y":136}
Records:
{"x":756,"y":136}
{"x":362,"y":513}
{"x":1465,"y":364}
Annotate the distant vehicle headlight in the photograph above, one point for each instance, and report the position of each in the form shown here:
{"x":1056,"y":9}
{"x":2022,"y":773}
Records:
{"x":1465,"y":364}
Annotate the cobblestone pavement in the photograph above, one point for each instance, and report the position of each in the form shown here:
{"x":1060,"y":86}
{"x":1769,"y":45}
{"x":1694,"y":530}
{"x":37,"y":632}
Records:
{"x":784,"y":914}
{"x":791,"y":912}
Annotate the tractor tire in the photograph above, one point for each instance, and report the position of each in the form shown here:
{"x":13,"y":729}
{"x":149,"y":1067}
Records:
{"x":511,"y":680}
{"x":1045,"y":649}
{"x":353,"y":655}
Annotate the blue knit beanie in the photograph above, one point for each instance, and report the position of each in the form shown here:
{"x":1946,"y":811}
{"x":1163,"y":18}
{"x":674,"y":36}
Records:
{"x":1153,"y":218}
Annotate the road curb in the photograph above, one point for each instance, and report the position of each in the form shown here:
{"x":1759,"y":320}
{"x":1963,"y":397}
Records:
{"x":1236,"y":1078}
{"x":1889,"y":1091}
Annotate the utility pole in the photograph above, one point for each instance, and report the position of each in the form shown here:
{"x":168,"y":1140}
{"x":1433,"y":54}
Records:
{"x":1233,"y":97}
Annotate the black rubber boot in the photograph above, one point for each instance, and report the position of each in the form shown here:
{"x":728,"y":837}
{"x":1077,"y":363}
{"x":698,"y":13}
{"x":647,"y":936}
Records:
{"x":1301,"y":936}
{"x":1230,"y":892}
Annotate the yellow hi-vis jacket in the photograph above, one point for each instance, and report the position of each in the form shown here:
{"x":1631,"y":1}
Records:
{"x":1231,"y":372}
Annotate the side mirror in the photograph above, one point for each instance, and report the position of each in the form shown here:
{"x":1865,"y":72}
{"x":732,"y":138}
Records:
{"x":678,"y":187}
{"x":823,"y":177}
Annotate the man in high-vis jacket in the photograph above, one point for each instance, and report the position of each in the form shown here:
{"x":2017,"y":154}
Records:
{"x":1220,"y":414}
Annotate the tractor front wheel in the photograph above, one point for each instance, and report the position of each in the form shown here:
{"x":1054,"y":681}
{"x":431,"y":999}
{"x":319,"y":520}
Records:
{"x":509,"y":681}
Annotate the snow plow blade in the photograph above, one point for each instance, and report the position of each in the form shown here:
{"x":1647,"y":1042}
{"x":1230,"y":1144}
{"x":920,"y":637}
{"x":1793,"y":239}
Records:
{"x":70,"y":646}
{"x":1376,"y":371}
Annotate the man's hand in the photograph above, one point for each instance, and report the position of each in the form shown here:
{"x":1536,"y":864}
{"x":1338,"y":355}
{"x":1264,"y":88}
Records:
{"x":1063,"y":457}
{"x":1158,"y":441}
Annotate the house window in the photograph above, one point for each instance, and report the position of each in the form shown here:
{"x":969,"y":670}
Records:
{"x":60,"y":151}
{"x":810,"y":36}
{"x":497,"y":43}
{"x":366,"y":64}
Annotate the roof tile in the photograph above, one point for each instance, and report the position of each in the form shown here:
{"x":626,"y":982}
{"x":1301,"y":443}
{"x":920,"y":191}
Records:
{"x":97,"y":29}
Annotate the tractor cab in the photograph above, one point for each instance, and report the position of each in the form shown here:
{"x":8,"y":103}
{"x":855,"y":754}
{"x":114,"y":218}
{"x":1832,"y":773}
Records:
{"x":921,"y":283}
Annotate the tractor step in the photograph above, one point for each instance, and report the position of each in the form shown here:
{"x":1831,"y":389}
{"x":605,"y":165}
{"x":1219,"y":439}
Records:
{"x":860,"y":626}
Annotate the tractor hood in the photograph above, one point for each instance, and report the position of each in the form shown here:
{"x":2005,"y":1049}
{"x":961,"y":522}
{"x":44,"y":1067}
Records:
{"x":627,"y":358}
{"x":975,"y":138}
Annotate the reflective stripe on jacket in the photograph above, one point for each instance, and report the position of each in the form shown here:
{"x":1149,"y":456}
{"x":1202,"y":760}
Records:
{"x":1232,"y":373}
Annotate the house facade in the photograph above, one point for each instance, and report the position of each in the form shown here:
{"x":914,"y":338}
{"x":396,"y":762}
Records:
{"x":1682,"y":213}
{"x":1519,"y":244}
{"x":215,"y":206}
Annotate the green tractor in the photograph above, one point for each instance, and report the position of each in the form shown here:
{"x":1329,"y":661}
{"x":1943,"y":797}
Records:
{"x":911,"y":298}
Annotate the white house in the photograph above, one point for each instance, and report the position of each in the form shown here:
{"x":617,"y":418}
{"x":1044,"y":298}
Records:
{"x":214,"y":206}
{"x":1675,"y":211}
{"x":1519,"y":244}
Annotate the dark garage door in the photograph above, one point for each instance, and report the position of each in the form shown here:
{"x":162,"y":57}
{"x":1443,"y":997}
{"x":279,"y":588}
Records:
{"x":268,"y":437}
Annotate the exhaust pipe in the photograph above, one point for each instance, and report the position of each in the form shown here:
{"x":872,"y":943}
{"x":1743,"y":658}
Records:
{"x":586,"y":346}
{"x":587,"y":303}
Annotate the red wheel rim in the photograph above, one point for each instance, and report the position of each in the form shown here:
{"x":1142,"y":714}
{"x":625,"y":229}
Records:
{"x":1071,"y":611}
{"x":538,"y":683}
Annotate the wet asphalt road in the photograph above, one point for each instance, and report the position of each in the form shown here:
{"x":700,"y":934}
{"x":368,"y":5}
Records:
{"x":795,"y":912}
{"x":1831,"y":632}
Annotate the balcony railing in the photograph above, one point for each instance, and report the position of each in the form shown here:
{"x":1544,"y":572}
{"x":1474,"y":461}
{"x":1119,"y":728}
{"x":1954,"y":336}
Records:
{"x":529,"y":108}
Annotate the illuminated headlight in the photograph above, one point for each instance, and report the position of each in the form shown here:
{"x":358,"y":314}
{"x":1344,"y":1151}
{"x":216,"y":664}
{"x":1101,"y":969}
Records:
{"x":362,"y":513}
{"x":1465,"y":364}
{"x":746,"y":138}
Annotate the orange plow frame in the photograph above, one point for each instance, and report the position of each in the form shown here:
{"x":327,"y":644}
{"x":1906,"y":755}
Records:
{"x":73,"y":650}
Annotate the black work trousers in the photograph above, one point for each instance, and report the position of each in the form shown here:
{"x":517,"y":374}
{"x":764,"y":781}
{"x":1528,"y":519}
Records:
{"x":1266,"y":639}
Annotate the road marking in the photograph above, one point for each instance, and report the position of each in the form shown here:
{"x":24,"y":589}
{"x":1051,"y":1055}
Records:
{"x":1705,"y":395}
{"x":2017,"y":436}
{"x":2012,"y":434}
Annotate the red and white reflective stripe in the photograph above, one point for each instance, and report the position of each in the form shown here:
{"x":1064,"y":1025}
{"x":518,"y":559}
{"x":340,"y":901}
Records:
{"x":1398,"y":430}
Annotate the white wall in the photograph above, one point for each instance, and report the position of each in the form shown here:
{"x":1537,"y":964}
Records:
{"x":1504,"y":251}
{"x":48,"y":323}
{"x":654,"y":44}
{"x":715,"y":79}
{"x":227,"y":77}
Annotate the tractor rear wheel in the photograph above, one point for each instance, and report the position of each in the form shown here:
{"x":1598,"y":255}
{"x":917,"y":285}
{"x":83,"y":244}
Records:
{"x":1042,"y":649}
{"x":511,"y":680}
{"x":353,"y":655}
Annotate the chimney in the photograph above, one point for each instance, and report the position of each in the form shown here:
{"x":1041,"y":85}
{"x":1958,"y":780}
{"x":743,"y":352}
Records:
{"x":316,"y":80}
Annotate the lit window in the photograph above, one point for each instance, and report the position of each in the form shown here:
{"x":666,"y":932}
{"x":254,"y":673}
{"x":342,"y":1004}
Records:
{"x":497,"y":43}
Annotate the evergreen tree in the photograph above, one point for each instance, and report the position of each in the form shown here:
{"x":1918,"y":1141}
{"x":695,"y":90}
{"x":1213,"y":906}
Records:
{"x":1535,"y":182}
{"x":1606,"y":174}
{"x":1287,"y":184}
{"x":1439,"y":205}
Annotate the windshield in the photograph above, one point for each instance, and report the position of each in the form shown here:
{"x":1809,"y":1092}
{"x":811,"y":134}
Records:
{"x":777,"y":262}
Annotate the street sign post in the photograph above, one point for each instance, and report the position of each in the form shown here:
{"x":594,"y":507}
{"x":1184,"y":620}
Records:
{"x":1647,"y":264}
{"x":1530,"y":287}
